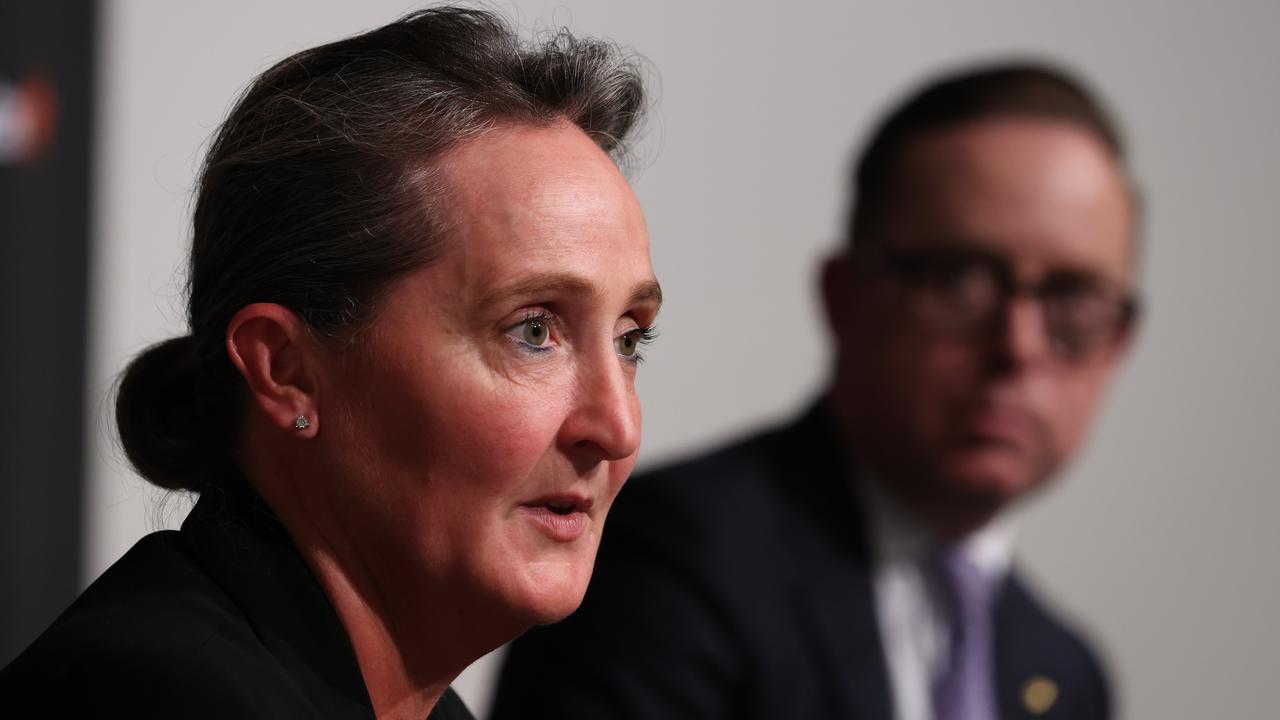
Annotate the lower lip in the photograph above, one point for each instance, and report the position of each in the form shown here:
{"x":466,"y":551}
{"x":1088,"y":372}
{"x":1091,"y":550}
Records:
{"x":561,"y":528}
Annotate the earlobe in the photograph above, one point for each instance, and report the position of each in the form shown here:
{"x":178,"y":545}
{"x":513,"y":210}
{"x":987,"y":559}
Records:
{"x":270,"y":347}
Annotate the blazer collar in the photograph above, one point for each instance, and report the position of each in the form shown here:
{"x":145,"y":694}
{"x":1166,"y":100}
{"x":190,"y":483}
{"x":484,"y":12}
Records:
{"x":245,"y":549}
{"x":241,"y":544}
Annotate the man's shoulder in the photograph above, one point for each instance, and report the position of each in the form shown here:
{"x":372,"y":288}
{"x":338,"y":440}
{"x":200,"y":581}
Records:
{"x":717,"y":491}
{"x":739,"y":513}
{"x":1021,"y":604}
{"x":744,"y":470}
{"x":1032,"y":635}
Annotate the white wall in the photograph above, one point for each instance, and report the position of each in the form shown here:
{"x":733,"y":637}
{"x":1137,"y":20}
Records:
{"x":1161,"y":538}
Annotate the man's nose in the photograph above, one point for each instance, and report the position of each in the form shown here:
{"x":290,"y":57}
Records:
{"x":604,"y":422}
{"x":1020,"y":336}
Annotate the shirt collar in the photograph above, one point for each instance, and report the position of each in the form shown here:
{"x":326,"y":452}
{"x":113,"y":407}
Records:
{"x":896,"y":536}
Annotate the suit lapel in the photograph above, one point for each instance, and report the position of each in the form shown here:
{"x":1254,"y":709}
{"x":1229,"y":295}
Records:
{"x":841,"y":622}
{"x":1028,"y":681}
{"x":833,"y":588}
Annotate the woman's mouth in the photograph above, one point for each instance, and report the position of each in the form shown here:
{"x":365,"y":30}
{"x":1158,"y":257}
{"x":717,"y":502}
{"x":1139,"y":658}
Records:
{"x":561,"y":518}
{"x":561,"y":508}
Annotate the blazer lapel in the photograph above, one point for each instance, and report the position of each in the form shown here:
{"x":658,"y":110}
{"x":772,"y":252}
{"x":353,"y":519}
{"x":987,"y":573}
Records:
{"x":242,"y":545}
{"x":833,"y":583}
{"x":1028,"y":676}
{"x":846,"y":639}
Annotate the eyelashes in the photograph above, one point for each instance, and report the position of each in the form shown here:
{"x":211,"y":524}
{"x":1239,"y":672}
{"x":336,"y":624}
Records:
{"x":534,"y":334}
{"x":630,"y":345}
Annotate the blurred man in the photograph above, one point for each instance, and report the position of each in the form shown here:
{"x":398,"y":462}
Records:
{"x":857,"y":562}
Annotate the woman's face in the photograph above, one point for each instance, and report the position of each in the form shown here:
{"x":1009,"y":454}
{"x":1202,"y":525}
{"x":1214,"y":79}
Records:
{"x":477,"y":435}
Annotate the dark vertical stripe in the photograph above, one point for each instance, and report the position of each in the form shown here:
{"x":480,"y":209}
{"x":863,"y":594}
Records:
{"x":46,"y":74}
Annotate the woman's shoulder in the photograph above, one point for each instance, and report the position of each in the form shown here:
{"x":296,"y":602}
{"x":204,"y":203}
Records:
{"x":156,"y":594}
{"x":153,"y":632}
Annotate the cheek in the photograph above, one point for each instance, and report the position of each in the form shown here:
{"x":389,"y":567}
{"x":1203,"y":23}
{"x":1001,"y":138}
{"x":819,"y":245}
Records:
{"x":499,"y":436}
{"x":931,"y":377}
{"x":444,"y":438}
{"x":896,"y":379}
{"x":941,"y":366}
{"x":1069,"y":402}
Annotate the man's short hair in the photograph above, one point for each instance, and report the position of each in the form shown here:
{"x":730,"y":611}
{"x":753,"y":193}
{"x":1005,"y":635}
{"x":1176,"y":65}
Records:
{"x":1006,"y":90}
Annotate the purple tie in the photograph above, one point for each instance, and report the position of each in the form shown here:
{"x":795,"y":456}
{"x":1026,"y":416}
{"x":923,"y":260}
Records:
{"x":965,"y":689}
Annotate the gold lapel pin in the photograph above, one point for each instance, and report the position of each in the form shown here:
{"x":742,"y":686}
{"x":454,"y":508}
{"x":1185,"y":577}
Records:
{"x":1039,"y":694}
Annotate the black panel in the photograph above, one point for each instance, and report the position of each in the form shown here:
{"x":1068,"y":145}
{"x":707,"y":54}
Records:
{"x":46,"y":87}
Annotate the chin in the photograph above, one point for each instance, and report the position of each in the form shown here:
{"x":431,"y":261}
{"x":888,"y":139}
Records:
{"x":986,"y":477}
{"x":549,"y":607}
{"x":549,"y":592}
{"x":556,"y":611}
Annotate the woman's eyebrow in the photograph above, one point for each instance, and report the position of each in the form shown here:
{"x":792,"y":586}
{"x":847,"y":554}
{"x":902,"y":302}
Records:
{"x":646,"y":292}
{"x":554,"y":283}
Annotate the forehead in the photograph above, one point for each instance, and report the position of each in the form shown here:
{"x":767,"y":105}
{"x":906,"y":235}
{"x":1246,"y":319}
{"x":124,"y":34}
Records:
{"x":1042,"y":193}
{"x":527,"y":200}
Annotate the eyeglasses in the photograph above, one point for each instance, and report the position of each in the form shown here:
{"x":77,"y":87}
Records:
{"x":965,"y":291}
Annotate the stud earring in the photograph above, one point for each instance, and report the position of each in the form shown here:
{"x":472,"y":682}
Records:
{"x":301,"y":423}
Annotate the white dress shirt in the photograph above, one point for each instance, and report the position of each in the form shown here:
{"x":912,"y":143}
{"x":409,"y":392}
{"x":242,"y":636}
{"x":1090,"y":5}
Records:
{"x":909,"y":611}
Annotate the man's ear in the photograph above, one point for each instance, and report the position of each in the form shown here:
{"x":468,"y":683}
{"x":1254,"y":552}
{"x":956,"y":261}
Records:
{"x":272,"y":349}
{"x":837,"y":291}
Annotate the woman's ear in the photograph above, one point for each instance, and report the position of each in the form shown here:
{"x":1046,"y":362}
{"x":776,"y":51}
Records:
{"x":273,"y":351}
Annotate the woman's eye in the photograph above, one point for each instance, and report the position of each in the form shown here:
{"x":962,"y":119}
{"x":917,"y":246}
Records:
{"x":629,"y":344}
{"x":535,"y":332}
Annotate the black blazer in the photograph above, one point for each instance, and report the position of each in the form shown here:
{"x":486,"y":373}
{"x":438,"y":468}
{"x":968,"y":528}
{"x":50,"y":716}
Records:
{"x":222,"y":619}
{"x":737,"y":585}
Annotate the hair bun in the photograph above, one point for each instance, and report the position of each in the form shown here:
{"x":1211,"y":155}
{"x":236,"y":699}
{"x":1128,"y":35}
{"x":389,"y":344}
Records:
{"x":160,"y":418}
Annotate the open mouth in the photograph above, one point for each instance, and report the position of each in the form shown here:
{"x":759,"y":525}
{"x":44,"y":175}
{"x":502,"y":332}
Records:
{"x":561,"y":517}
{"x":561,"y":508}
{"x":562,"y":503}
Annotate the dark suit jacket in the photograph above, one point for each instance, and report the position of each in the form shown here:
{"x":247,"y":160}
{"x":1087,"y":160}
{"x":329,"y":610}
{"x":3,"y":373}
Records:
{"x":737,"y":585}
{"x":220,"y":620}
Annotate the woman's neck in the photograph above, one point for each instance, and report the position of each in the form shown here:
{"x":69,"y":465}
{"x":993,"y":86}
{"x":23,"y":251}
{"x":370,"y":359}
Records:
{"x":410,"y":642}
{"x":400,"y":684}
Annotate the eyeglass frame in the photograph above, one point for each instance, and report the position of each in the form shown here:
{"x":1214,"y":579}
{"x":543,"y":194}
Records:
{"x":913,"y":268}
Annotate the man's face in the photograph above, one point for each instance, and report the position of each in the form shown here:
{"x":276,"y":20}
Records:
{"x":978,"y":329}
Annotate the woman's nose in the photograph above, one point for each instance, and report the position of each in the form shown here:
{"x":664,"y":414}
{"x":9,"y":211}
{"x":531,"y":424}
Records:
{"x":604,"y":421}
